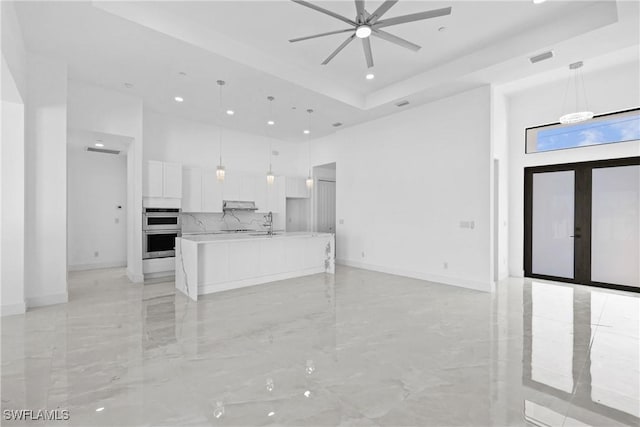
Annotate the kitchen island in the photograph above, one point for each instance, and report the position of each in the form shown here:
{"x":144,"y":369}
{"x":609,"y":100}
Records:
{"x":210,"y":263}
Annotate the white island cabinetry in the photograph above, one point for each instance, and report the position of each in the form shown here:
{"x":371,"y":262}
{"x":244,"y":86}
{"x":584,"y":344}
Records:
{"x":214,"y":263}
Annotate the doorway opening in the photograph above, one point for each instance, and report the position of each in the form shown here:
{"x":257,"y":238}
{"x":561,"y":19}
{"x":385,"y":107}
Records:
{"x":97,"y":195}
{"x":324,"y":199}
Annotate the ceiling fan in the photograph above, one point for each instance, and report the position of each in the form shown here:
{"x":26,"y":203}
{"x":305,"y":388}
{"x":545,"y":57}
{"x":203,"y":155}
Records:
{"x":368,"y":24}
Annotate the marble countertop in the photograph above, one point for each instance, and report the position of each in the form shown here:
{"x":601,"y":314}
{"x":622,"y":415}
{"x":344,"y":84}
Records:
{"x":228,"y":237}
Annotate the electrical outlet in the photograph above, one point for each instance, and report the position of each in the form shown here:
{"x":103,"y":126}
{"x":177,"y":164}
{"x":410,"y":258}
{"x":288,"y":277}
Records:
{"x":341,"y":221}
{"x":117,"y":221}
{"x":472,"y":224}
{"x":362,"y":254}
{"x":445,"y":265}
{"x":96,"y":254}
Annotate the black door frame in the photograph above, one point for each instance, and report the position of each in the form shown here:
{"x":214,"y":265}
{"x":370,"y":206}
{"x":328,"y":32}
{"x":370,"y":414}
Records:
{"x":582,"y":219}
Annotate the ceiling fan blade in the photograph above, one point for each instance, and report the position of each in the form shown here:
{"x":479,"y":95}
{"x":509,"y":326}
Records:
{"x":381,"y":10}
{"x":299,"y":39}
{"x":413,"y":17}
{"x":337,"y":51}
{"x":325,"y":11}
{"x":360,"y":11}
{"x":366,"y":44}
{"x":395,"y":39}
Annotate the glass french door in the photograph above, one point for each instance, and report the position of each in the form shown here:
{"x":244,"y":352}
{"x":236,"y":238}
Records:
{"x":582,"y":223}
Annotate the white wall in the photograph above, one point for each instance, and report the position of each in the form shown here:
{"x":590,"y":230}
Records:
{"x":12,"y":208}
{"x":12,"y":162}
{"x":500,"y":201}
{"x":98,"y":109}
{"x":97,"y":185}
{"x":46,"y":182}
{"x":608,"y":89}
{"x":13,"y":50}
{"x":404,"y":184}
{"x":192,"y":143}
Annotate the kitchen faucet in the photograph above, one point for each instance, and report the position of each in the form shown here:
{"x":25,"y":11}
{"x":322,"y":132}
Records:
{"x":268,"y":222}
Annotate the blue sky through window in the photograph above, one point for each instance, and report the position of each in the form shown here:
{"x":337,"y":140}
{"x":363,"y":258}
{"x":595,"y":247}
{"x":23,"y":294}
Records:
{"x":615,"y":129}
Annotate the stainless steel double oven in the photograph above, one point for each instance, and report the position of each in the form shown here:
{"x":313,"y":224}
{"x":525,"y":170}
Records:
{"x":160,"y":227}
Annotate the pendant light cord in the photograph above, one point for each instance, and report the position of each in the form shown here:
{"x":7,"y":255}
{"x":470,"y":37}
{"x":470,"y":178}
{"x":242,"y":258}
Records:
{"x":308,"y":141}
{"x":220,"y":84}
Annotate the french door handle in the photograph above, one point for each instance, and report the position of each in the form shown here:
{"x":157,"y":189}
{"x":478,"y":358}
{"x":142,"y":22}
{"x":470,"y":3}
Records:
{"x":577,"y":236}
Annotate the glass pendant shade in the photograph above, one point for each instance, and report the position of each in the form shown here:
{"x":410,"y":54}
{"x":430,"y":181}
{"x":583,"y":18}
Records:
{"x":270,"y":177}
{"x":576,"y":117}
{"x":220,"y":173}
{"x":309,"y":182}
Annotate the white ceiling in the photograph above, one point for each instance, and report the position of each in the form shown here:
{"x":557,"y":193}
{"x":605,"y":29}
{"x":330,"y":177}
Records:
{"x":246,"y":44}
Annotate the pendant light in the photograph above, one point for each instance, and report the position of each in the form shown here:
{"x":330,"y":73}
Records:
{"x":220,"y":169}
{"x":270,"y":177}
{"x":579,"y":115}
{"x":309,"y":180}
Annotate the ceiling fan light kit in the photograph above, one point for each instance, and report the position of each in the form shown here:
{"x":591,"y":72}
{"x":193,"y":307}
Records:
{"x":368,"y":24}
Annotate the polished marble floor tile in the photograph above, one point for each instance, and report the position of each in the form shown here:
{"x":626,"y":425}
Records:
{"x":356,"y":349}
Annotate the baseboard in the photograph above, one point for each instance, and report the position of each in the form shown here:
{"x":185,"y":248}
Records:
{"x":11,"y":309}
{"x":97,"y":266}
{"x":135,"y":278}
{"x":452,"y":281}
{"x":40,"y":301}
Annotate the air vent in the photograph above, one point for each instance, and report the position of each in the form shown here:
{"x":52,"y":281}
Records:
{"x":103,"y":150}
{"x":541,"y":57}
{"x":402,"y":103}
{"x":336,"y":124}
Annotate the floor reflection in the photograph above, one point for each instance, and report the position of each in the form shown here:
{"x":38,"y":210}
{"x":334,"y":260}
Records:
{"x":358,"y":348}
{"x":581,"y":345}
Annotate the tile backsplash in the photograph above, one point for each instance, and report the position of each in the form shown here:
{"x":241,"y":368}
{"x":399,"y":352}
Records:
{"x":212,"y":222}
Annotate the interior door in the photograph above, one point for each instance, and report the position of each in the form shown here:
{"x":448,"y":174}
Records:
{"x":326,"y":203}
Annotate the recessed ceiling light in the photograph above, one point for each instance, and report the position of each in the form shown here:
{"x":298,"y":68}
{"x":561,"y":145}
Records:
{"x":271,"y":123}
{"x":538,"y":1}
{"x":402,"y":103}
{"x":306,"y":131}
{"x":182,"y":73}
{"x":336,"y":124}
{"x":128,"y":85}
{"x":442,"y":29}
{"x":99,"y":144}
{"x":230,"y":112}
{"x":370,"y":76}
{"x":363,"y":31}
{"x":100,"y":409}
{"x":178,"y":99}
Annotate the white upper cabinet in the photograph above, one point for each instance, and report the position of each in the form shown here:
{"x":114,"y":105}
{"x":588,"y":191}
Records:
{"x":172,"y":180}
{"x":153,"y":178}
{"x":192,"y":190}
{"x":231,"y":186}
{"x":211,"y":192}
{"x":202,"y":192}
{"x":296,"y":187}
{"x":276,"y":198}
{"x":162,"y":179}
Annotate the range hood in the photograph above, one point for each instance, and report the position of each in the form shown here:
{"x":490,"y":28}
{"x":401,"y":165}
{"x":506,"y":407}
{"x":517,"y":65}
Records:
{"x":238,"y":205}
